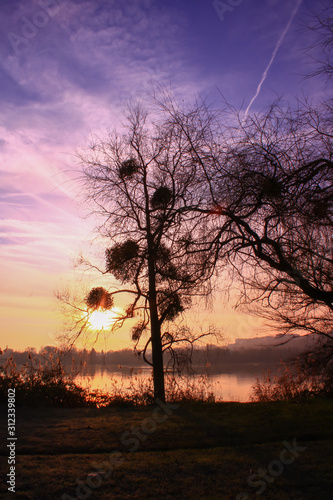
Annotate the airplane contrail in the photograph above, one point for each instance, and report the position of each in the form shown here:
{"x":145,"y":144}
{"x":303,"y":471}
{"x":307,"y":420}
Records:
{"x":279,"y":42}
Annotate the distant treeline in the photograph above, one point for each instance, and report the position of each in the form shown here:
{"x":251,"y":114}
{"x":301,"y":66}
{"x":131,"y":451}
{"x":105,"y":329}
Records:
{"x":73,"y":356}
{"x":224,"y":360}
{"x":211,"y":359}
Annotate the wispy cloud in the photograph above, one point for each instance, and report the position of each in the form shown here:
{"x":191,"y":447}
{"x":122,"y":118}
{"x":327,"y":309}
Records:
{"x":70,"y":78}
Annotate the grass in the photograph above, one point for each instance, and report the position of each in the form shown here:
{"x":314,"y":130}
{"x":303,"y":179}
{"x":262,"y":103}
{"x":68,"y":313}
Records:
{"x":201,"y":450}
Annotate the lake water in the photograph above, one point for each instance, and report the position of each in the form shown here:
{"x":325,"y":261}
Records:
{"x":225,"y":386}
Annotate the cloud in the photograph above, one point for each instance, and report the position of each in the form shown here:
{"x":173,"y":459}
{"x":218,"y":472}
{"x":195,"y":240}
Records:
{"x":13,"y":92}
{"x":70,"y":78}
{"x":96,"y":40}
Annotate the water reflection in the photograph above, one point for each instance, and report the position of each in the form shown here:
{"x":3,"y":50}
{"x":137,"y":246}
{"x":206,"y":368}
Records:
{"x":225,"y":386}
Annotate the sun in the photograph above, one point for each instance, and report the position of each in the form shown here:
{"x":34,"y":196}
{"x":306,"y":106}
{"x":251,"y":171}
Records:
{"x":102,"y":319}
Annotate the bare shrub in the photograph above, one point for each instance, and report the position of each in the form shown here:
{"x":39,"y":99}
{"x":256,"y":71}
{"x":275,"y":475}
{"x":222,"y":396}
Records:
{"x":290,"y":383}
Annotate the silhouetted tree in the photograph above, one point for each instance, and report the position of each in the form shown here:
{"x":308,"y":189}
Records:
{"x":275,"y":185}
{"x":321,"y":51}
{"x":278,"y":197}
{"x":270,"y":179}
{"x":148,"y":189}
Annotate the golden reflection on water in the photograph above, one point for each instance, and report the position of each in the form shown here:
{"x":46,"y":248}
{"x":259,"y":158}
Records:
{"x":225,"y":387}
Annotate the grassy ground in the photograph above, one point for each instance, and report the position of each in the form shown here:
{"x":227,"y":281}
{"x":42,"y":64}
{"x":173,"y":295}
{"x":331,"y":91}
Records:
{"x":200,"y":451}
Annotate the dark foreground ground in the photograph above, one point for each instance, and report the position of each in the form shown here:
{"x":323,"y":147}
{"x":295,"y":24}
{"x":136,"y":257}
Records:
{"x":279,"y":451}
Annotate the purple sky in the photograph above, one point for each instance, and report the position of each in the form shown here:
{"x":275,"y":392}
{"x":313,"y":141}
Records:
{"x":66,"y":68}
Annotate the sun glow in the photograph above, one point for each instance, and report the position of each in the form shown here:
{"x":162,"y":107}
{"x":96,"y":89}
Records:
{"x":102,"y":319}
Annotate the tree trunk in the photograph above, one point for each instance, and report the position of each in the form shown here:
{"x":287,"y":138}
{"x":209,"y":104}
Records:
{"x":155,"y":328}
{"x":157,"y":353}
